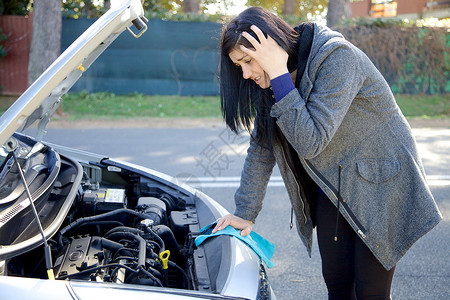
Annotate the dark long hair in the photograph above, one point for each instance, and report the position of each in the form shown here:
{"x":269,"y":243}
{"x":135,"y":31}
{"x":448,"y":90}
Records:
{"x":242,"y":99}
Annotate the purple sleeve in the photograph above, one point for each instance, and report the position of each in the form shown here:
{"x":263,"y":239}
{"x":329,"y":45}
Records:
{"x":281,"y":86}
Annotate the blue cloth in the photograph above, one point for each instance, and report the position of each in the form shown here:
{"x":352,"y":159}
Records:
{"x":262,"y":247}
{"x":281,"y":86}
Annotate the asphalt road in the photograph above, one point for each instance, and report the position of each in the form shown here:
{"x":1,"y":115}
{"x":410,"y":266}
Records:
{"x":212,"y":158}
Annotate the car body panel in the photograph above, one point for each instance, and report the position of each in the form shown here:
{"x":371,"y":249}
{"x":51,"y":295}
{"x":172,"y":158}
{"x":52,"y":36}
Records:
{"x":29,"y":288}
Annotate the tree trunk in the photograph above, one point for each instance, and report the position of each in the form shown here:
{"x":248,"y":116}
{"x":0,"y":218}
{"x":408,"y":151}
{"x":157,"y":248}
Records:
{"x":46,"y":40}
{"x":289,"y":7}
{"x":191,"y":6}
{"x":338,"y":10}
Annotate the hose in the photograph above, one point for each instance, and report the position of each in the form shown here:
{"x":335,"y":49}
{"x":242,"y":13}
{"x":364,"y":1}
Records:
{"x":81,"y":221}
{"x":140,"y":233}
{"x":151,"y":276}
{"x":124,"y":229}
{"x":90,"y":270}
{"x":185,"y":276}
{"x":140,"y":240}
{"x":167,"y":235}
{"x":96,"y":223}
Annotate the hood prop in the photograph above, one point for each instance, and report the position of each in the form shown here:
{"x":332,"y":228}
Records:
{"x":11,"y":146}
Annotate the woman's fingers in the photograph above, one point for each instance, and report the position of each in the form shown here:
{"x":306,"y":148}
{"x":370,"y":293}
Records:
{"x":246,"y":231}
{"x":236,"y":222}
{"x":258,"y":33}
{"x":251,"y":39}
{"x":222,"y":223}
{"x":270,"y":56}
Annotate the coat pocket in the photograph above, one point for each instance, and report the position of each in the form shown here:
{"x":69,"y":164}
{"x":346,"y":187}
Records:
{"x":378,"y":170}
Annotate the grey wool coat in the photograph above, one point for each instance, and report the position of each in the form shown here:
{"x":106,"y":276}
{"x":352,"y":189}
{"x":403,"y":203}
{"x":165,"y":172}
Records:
{"x":345,"y":126}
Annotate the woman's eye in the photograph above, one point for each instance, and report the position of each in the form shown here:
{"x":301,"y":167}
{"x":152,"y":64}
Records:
{"x":248,"y":61}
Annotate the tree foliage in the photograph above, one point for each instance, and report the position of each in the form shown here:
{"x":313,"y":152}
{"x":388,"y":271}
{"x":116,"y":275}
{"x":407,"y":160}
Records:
{"x":301,"y":10}
{"x":164,"y":8}
{"x":15,"y":7}
{"x":87,"y":9}
{"x":81,"y":9}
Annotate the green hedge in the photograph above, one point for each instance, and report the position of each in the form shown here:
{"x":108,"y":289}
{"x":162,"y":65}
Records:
{"x":412,"y":57}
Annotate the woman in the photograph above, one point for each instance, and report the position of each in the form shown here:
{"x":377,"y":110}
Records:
{"x":327,"y":117}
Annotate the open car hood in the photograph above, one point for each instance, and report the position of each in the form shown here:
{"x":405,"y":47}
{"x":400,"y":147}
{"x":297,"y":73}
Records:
{"x":42,"y":98}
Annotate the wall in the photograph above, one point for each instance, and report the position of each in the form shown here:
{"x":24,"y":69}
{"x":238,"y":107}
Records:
{"x":14,"y":66}
{"x":411,"y":6}
{"x":362,"y":8}
{"x":170,"y":58}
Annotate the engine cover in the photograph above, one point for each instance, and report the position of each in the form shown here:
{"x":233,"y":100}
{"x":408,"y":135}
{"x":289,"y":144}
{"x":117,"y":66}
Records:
{"x":82,"y":254}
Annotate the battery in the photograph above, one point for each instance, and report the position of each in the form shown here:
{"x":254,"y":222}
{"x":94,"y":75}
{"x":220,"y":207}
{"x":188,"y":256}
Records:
{"x":103,"y":200}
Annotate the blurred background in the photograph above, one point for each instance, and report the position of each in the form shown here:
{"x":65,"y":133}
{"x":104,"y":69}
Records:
{"x":408,"y":40}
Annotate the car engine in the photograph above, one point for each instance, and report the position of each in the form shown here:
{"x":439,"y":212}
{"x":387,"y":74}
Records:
{"x":121,"y":245}
{"x":121,"y":226}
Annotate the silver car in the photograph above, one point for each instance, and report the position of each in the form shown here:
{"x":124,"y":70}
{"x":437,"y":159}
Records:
{"x":77,"y":225}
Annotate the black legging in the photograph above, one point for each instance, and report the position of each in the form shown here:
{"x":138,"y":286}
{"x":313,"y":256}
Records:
{"x":350,"y":270}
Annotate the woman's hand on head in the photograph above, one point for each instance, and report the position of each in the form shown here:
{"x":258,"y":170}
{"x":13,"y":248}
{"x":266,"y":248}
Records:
{"x":267,"y":53}
{"x":236,"y":222}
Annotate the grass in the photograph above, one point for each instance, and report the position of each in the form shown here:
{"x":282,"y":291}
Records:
{"x":83,"y":105}
{"x":434,"y":106}
{"x":106,"y":105}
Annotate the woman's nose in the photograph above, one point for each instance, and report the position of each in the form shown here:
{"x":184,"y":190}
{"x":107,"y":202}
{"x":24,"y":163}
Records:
{"x":246,"y":72}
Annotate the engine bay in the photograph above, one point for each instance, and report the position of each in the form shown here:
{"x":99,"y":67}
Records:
{"x":122,"y":226}
{"x":121,"y":245}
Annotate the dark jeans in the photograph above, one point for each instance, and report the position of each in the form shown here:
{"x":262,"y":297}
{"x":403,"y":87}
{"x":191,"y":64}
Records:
{"x":349,"y":268}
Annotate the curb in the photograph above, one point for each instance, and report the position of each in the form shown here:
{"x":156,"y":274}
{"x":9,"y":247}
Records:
{"x":186,"y":123}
